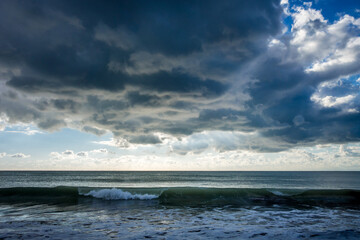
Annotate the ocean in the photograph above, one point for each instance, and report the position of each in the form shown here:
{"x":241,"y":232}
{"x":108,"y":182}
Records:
{"x":179,"y":205}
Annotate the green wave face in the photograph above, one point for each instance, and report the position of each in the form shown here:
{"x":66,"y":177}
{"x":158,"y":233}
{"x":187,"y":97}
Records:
{"x":56,"y":195}
{"x":186,"y":196}
{"x":214,"y":196}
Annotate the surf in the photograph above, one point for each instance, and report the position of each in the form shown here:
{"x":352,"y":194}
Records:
{"x":187,"y":196}
{"x":118,"y":194}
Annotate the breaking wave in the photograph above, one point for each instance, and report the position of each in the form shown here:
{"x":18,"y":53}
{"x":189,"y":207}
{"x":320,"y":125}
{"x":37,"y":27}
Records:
{"x":187,"y":196}
{"x":118,"y":194}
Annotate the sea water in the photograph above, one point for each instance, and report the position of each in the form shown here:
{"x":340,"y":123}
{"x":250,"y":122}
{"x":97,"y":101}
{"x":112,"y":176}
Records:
{"x":179,"y":205}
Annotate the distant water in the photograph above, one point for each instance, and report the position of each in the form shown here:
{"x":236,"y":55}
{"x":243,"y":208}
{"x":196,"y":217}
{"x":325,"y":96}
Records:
{"x":179,"y":205}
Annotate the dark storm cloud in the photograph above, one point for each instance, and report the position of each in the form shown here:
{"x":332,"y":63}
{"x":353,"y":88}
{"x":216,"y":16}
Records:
{"x":145,"y":139}
{"x":87,"y":62}
{"x":50,"y":124}
{"x":93,"y":130}
{"x":136,"y":98}
{"x":177,"y":28}
{"x":58,"y":44}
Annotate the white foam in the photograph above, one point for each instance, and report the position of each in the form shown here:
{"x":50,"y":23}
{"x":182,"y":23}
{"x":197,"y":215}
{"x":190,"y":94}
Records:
{"x":118,"y":194}
{"x":278,"y":193}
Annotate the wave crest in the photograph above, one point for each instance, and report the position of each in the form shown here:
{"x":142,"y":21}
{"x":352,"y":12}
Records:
{"x":118,"y":194}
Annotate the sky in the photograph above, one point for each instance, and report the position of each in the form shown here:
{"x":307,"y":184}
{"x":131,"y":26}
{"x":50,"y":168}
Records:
{"x":180,"y":85}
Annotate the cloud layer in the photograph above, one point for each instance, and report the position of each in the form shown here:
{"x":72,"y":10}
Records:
{"x":205,"y":74}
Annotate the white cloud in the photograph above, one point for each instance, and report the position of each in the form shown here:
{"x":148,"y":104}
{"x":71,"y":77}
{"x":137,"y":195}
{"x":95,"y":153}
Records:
{"x":101,"y":150}
{"x":349,"y":151}
{"x":115,"y":142}
{"x":319,"y":157}
{"x":285,"y":5}
{"x":19,"y":155}
{"x":353,"y":110}
{"x":26,"y":130}
{"x":330,"y":101}
{"x":71,"y":155}
{"x":55,"y":155}
{"x":276,"y":43}
{"x":3,"y":121}
{"x":339,"y":57}
{"x":68,"y":152}
{"x":82,"y":154}
{"x":303,"y":16}
{"x":325,"y":47}
{"x":15,"y":155}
